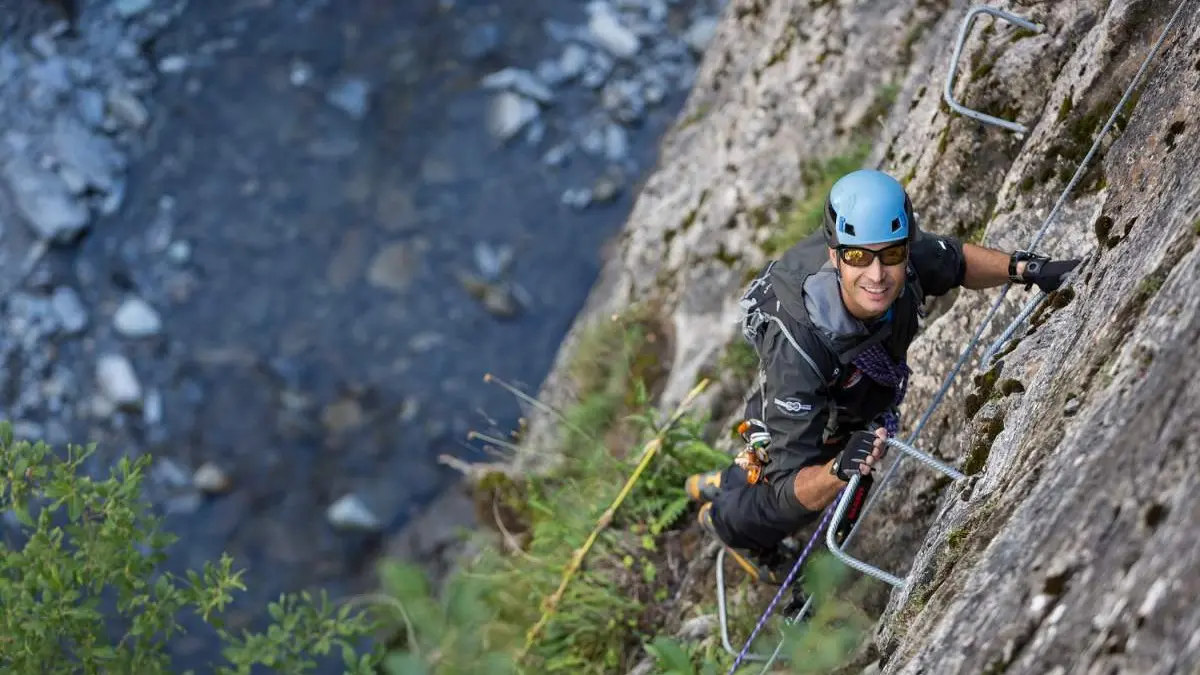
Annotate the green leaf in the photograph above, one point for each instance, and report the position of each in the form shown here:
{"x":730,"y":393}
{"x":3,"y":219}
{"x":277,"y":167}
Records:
{"x":669,"y":655}
{"x":403,"y":663}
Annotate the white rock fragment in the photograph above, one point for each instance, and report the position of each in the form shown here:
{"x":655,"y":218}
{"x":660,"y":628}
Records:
{"x":117,"y":381}
{"x":520,"y":81}
{"x":509,"y":113}
{"x":572,"y":61}
{"x":608,"y":32}
{"x":351,"y":96}
{"x":211,"y":479}
{"x":42,"y":198}
{"x":700,"y":34}
{"x":70,"y":310}
{"x":349,"y":513}
{"x":127,"y":109}
{"x":135,"y":318}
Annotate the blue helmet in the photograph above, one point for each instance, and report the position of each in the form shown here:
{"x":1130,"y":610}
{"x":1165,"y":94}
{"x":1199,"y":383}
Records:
{"x":868,"y":207}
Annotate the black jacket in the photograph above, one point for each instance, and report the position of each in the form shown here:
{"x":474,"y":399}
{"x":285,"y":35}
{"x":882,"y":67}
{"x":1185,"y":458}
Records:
{"x":810,"y":395}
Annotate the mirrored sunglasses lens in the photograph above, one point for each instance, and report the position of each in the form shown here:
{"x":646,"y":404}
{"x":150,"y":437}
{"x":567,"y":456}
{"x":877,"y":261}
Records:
{"x":856,"y":257}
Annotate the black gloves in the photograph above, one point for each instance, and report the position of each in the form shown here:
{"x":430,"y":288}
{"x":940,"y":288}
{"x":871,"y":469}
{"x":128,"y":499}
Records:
{"x":1046,"y":273}
{"x":857,"y":450}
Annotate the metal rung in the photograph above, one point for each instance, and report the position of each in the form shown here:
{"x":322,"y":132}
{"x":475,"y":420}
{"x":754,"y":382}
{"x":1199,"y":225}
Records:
{"x":844,"y":503}
{"x":962,"y":39}
{"x":723,"y":617}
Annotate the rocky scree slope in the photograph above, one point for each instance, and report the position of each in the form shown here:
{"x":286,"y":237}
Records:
{"x":1077,"y":444}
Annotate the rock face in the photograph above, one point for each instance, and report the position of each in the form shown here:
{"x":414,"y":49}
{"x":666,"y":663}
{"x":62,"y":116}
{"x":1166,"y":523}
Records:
{"x":1067,"y":549}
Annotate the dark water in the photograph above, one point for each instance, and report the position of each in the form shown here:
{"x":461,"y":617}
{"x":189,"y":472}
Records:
{"x":280,"y":361}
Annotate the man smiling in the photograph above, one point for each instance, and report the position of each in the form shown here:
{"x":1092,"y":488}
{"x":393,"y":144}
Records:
{"x":831,"y":322}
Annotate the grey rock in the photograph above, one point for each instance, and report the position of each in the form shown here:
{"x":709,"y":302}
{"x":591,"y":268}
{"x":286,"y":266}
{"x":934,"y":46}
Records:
{"x":576,"y":198}
{"x":594,"y":141}
{"x":700,"y":34}
{"x":89,"y":103}
{"x":301,"y":74}
{"x":115,"y":198}
{"x":623,"y":99}
{"x":350,"y":513}
{"x":126,"y":108}
{"x":557,"y":155}
{"x":117,"y":381}
{"x":172,"y":65}
{"x":606,"y":189}
{"x":520,"y":81}
{"x":179,"y":252}
{"x":535,"y":132}
{"x":83,"y":72}
{"x":656,"y":10}
{"x":550,"y":72}
{"x":135,"y":318}
{"x":152,"y":408}
{"x":492,"y":261}
{"x":72,"y":315}
{"x":508,"y":113}
{"x":572,"y":61}
{"x":610,"y":33}
{"x":698,"y":628}
{"x":211,"y":479}
{"x":43,"y":200}
{"x":616,"y":143}
{"x":76,"y":182}
{"x":599,"y":67}
{"x":94,"y":157}
{"x":43,"y":45}
{"x":50,"y":82}
{"x":351,"y":96}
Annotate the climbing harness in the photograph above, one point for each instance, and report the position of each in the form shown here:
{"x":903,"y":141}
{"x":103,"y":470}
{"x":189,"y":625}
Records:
{"x":842,"y":501}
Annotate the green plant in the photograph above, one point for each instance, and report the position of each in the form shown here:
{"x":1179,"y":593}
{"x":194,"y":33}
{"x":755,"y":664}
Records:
{"x":89,"y":543}
{"x":819,"y":178}
{"x":837,"y":626}
{"x":673,"y":659}
{"x":597,"y":622}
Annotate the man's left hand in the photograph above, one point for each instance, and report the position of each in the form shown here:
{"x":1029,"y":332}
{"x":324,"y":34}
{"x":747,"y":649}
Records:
{"x":878,"y":451}
{"x":1048,"y":274}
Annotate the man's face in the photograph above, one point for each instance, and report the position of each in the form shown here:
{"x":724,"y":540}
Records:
{"x":869,"y":291}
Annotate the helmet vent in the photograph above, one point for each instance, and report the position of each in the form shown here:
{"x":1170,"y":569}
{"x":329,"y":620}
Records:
{"x":895,"y":224}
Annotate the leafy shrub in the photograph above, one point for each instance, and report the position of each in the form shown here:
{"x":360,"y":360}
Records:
{"x":90,"y":560}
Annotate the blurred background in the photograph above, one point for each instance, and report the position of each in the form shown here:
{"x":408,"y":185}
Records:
{"x":278,"y":243}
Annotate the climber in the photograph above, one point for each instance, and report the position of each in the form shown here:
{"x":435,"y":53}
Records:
{"x":832,"y":321}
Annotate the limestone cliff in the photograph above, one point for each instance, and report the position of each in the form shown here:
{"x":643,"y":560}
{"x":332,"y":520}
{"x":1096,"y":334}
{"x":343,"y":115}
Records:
{"x":1068,"y":549}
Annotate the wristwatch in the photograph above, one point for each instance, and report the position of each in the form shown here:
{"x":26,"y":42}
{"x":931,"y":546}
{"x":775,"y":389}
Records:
{"x":1033,"y":263}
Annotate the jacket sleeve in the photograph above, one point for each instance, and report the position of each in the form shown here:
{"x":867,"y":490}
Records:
{"x":939,"y":262}
{"x":794,"y":407}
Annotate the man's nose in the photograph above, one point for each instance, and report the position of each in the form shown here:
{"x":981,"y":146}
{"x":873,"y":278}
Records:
{"x":875,"y":270}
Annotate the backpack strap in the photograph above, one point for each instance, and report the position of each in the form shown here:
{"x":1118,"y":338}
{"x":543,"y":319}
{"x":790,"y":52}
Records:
{"x":761,"y":307}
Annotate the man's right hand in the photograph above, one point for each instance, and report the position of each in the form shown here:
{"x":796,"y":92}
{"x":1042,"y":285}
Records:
{"x":862,"y":452}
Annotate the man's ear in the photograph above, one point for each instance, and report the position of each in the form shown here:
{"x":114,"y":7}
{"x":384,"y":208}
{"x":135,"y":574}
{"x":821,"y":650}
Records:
{"x":832,"y":257}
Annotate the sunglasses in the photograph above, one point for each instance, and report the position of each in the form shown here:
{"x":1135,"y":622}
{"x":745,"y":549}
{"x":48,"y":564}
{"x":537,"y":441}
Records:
{"x":854,"y":256}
